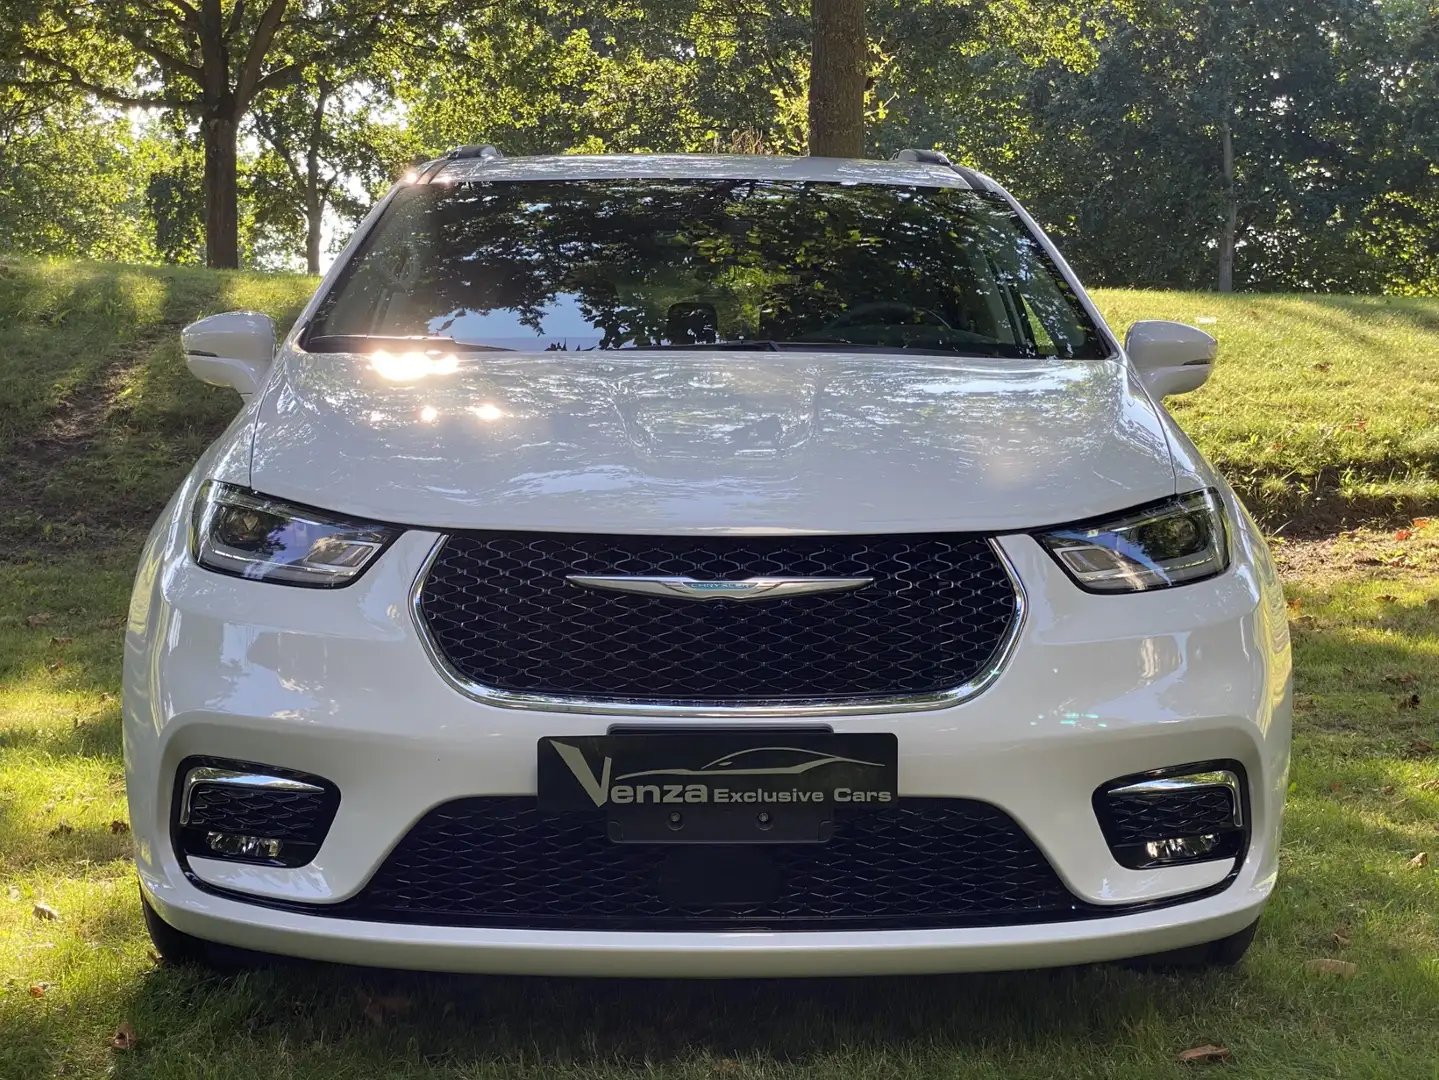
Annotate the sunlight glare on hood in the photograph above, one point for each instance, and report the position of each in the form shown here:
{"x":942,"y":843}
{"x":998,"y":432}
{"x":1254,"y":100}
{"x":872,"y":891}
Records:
{"x":412,"y":366}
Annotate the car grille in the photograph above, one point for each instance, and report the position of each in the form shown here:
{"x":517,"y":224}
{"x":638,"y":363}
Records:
{"x":501,"y":862}
{"x":500,"y":612}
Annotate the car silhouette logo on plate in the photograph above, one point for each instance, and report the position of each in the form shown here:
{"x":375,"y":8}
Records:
{"x":686,"y":588}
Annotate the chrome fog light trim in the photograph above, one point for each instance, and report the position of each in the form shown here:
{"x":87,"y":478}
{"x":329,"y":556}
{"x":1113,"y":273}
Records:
{"x":1173,"y":785}
{"x":1182,"y":814}
{"x":205,"y":774}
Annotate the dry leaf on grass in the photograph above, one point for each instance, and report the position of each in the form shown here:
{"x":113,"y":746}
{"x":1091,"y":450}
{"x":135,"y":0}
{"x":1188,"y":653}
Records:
{"x":1342,"y":968}
{"x":38,"y":989}
{"x":45,"y":911}
{"x":381,"y":1007}
{"x":1430,"y":785}
{"x":1342,"y":940}
{"x":124,"y":1037}
{"x":1403,"y":534}
{"x":1205,"y":1055}
{"x":1321,"y":366}
{"x":1419,"y":862}
{"x":40,"y":618}
{"x":13,"y":892}
{"x":118,"y":827}
{"x":1388,"y":598}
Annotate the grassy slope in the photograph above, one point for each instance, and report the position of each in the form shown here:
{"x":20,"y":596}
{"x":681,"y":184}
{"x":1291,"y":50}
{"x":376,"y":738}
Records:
{"x":98,"y":420}
{"x":1323,"y":408}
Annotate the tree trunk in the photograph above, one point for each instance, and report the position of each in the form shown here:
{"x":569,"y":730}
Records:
{"x":314,"y":198}
{"x":222,"y":194}
{"x":314,"y":223}
{"x":1229,"y":238}
{"x":839,"y":63}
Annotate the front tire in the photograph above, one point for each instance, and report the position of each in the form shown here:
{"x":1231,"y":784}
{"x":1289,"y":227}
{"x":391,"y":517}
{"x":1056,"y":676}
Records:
{"x":180,"y":949}
{"x":174,"y":946}
{"x":1224,"y":953}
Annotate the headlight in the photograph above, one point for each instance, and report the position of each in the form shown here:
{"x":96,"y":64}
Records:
{"x":235,"y":532}
{"x":1177,"y":541}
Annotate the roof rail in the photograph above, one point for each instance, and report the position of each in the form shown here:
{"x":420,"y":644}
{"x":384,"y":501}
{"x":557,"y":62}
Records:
{"x":427,"y":172}
{"x":483,"y":151}
{"x":925,"y":157}
{"x":939,"y":157}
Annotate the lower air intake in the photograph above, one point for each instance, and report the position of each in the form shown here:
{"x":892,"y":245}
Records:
{"x":927,"y":863}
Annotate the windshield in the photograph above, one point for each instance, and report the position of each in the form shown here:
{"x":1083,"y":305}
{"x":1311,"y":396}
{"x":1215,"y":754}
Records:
{"x":663,"y":263}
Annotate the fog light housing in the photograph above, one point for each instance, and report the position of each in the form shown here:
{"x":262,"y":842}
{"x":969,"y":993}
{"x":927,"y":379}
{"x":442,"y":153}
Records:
{"x":1169,"y":817}
{"x":244,"y":812}
{"x":247,"y":847}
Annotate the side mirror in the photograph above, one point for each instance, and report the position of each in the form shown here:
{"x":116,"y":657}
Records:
{"x":233,"y":349}
{"x":1170,"y":357}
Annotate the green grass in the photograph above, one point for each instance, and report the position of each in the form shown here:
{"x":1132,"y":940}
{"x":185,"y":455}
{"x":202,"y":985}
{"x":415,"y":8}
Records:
{"x":98,"y":422}
{"x":1323,"y":409}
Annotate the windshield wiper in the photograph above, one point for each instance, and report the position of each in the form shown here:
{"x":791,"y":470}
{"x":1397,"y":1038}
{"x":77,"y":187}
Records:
{"x":767,"y":345}
{"x":756,"y":345}
{"x":334,"y":343}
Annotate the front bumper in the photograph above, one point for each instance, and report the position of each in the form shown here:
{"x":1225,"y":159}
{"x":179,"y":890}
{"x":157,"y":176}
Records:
{"x":339,"y":684}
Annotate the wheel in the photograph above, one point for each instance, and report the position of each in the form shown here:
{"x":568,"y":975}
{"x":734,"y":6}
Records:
{"x":1224,"y":953}
{"x":174,"y":946}
{"x":184,"y":950}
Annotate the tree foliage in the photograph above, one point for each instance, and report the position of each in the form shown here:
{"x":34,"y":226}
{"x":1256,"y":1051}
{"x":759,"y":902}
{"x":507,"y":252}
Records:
{"x":1268,"y":144}
{"x":208,"y":60}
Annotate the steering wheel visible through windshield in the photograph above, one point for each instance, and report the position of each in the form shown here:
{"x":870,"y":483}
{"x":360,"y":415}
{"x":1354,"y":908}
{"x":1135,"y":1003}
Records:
{"x":677,"y":263}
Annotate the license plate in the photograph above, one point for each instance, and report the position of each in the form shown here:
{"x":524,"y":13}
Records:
{"x":719,"y":787}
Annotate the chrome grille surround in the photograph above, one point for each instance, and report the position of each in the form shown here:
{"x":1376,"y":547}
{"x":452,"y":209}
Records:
{"x":777,"y":709}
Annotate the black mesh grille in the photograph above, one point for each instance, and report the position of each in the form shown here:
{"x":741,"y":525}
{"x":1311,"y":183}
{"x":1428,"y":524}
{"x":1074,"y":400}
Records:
{"x":284,"y":815}
{"x":503,"y":615}
{"x":1134,"y":819}
{"x":501,"y":862}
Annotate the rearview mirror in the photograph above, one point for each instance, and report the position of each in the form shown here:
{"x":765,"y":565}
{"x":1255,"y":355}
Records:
{"x":233,"y":349}
{"x":1170,"y":357}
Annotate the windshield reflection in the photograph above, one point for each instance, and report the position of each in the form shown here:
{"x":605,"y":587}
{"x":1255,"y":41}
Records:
{"x":579,"y":265}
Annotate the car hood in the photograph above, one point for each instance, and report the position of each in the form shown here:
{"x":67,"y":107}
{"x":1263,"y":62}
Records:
{"x":706,"y":441}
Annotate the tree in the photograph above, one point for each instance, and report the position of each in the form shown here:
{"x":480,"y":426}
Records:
{"x":207,"y":59}
{"x":839,"y":68}
{"x":71,"y":180}
{"x":325,"y":153}
{"x":1221,"y":145}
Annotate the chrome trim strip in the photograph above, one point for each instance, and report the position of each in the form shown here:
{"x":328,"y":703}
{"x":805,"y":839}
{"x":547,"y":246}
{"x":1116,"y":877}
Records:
{"x":811,"y":707}
{"x":746,"y":591}
{"x":234,"y":778}
{"x":1171,"y":785}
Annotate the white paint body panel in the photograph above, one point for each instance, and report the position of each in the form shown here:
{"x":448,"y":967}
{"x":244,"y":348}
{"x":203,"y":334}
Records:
{"x":714,"y":442}
{"x":233,"y":349}
{"x":338,"y":682}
